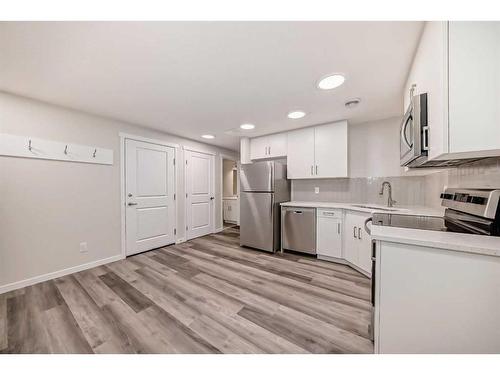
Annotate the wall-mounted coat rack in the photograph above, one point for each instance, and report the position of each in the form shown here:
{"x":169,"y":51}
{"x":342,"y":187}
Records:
{"x":27,"y":147}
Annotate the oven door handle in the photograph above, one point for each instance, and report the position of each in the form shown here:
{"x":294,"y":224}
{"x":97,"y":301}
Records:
{"x":368,"y":230}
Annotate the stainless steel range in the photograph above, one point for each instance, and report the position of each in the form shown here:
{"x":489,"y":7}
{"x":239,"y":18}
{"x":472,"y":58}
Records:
{"x":473,"y":211}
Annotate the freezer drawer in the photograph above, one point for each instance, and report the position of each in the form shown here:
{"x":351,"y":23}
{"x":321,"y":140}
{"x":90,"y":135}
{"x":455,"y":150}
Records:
{"x":299,"y":229}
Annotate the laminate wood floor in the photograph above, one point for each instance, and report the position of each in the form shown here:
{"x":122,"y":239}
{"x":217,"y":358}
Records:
{"x":207,"y":295}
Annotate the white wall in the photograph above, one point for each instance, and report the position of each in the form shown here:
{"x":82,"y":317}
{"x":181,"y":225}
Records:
{"x":227,"y":178}
{"x":48,"y":207}
{"x":374,"y":149}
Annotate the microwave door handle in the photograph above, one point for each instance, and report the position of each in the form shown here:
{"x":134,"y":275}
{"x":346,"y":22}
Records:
{"x":403,"y":131}
{"x":425,"y":131}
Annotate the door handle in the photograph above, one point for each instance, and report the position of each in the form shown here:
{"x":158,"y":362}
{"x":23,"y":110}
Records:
{"x":338,"y":228}
{"x":269,"y":150}
{"x":132,"y":204}
{"x":359,"y":233}
{"x":354,"y":232}
{"x":316,"y":170}
{"x":403,"y":130}
{"x":425,"y":131}
{"x":212,"y":198}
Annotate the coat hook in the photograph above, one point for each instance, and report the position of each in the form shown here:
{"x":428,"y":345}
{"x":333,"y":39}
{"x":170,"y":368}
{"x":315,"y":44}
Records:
{"x":95,"y":150}
{"x":29,"y":145}
{"x":66,"y":150}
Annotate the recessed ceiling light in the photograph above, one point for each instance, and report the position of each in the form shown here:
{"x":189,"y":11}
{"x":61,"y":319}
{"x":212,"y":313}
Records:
{"x":247,"y":126}
{"x":208,"y":136}
{"x":296,"y":114}
{"x":331,"y":81}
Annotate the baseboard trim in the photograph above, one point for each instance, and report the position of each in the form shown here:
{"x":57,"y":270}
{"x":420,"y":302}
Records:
{"x":52,"y":275}
{"x":217,"y":230}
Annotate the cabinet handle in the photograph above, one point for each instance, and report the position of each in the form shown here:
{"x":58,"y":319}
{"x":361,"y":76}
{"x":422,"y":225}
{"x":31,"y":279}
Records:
{"x":269,"y":150}
{"x":359,"y":233}
{"x":354,"y":232}
{"x":312,"y":170}
{"x":338,"y":228}
{"x":316,"y":169}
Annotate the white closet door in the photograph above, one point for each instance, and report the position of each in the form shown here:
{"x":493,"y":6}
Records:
{"x":199,"y":194}
{"x":149,"y":188}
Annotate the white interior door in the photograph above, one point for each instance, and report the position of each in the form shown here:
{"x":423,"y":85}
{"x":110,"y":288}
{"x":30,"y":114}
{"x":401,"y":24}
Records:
{"x":149,"y":189}
{"x":199,"y":194}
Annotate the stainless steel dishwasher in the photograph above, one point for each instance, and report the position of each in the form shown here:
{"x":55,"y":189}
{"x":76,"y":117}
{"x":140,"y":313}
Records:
{"x":298,"y":229}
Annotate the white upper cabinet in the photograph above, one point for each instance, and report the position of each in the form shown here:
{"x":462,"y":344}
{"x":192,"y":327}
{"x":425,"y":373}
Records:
{"x":330,"y":150}
{"x":277,"y":145}
{"x":269,"y":146}
{"x":474,"y":86}
{"x":258,"y":148}
{"x":318,"y":152}
{"x":456,"y":64}
{"x":428,"y":74}
{"x":300,"y":163}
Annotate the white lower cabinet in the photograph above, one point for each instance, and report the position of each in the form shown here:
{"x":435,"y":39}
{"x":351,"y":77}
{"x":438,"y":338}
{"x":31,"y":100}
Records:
{"x":341,"y":235}
{"x":329,"y":233}
{"x":357,"y":241}
{"x":432,"y":300}
{"x":231,"y":210}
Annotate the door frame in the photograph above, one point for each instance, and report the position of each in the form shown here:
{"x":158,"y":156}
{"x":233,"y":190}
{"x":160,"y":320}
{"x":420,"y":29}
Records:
{"x":123,"y":138}
{"x":212,"y":167}
{"x":221,"y":193}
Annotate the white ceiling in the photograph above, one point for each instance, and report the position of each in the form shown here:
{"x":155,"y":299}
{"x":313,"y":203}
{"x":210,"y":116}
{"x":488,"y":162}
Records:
{"x":192,"y":78}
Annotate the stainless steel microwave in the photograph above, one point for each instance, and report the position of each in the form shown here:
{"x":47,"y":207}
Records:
{"x":414,"y":134}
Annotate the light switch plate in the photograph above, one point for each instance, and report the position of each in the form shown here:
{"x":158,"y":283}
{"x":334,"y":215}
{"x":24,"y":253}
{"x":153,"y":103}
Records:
{"x":316,"y":190}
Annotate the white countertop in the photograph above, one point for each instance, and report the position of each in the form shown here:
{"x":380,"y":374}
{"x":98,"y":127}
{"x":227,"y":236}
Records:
{"x":400,"y":210}
{"x":229,"y":198}
{"x":468,"y":243}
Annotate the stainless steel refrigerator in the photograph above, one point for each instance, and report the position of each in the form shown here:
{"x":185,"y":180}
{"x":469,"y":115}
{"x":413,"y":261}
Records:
{"x":263,"y":186}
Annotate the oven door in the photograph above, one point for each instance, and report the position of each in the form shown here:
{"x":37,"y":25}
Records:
{"x":407,"y":144}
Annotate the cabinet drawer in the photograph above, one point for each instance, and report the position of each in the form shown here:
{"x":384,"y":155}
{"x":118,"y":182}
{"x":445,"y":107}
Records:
{"x":334,"y":213}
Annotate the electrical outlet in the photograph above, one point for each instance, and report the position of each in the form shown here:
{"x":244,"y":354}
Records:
{"x":83,"y":247}
{"x":316,"y":190}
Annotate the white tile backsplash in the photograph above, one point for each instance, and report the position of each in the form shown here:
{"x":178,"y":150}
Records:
{"x":482,"y":174}
{"x":405,"y":190}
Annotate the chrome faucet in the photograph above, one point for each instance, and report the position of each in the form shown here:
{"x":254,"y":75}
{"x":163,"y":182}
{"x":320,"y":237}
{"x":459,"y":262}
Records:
{"x":390,"y":201}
